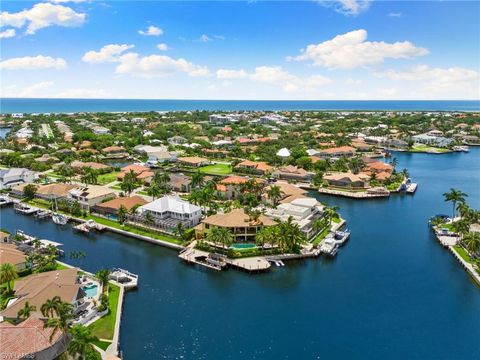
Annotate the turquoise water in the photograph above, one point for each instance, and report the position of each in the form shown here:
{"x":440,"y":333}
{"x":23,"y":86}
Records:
{"x":91,"y":290}
{"x":392,"y":292}
{"x":243,"y":246}
{"x":77,"y":105}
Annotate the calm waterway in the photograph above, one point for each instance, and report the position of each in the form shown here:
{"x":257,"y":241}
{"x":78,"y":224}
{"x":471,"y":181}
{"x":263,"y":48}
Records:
{"x":391,"y":293}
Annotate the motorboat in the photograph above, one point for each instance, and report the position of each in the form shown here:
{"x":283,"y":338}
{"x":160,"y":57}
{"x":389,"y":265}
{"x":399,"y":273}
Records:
{"x":329,"y":246}
{"x":5,"y":200}
{"x":43,"y":214}
{"x":25,"y":209}
{"x":340,"y":237}
{"x":59,"y":219}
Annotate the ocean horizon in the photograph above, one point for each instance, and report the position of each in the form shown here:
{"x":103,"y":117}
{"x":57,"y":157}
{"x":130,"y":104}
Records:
{"x":42,"y":105}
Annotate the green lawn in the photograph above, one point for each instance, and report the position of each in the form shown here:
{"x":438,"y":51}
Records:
{"x":102,"y":344}
{"x":104,"y":327}
{"x":107,"y":178}
{"x":425,"y":148}
{"x":135,"y":230}
{"x":217,"y":169}
{"x":463,"y":254}
{"x":321,"y":236}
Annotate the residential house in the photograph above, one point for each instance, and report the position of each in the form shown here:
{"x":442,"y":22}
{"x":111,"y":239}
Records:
{"x":193,"y":161}
{"x":79,"y":165}
{"x":30,"y":339}
{"x":303,"y":211}
{"x":51,"y":191}
{"x":38,"y":288}
{"x":347,"y":180}
{"x":115,"y":152}
{"x":254,"y":167}
{"x":242,"y":227}
{"x":111,"y":207}
{"x":90,"y":195}
{"x":143,"y":173}
{"x":337,"y":152}
{"x":10,"y":254}
{"x":180,"y":182}
{"x":16,"y":176}
{"x":432,"y":140}
{"x":170,"y":210}
{"x":291,"y":172}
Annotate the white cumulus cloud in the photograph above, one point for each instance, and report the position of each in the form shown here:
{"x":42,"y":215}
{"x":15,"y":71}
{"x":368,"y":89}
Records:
{"x":157,"y":66}
{"x":42,"y":15}
{"x":151,"y":31}
{"x":7,"y":33}
{"x":347,"y":7}
{"x":162,"y":47}
{"x":34,"y":90}
{"x":352,"y":50}
{"x":277,"y":76}
{"x":33,"y":63}
{"x":108,"y":53}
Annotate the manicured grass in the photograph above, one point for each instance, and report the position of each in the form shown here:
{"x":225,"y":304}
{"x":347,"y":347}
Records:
{"x":425,"y":148}
{"x":463,"y":254}
{"x":102,"y":344}
{"x":318,"y":239}
{"x":217,"y":169}
{"x":104,"y":327}
{"x":135,"y":230}
{"x":61,"y":267}
{"x":107,"y":178}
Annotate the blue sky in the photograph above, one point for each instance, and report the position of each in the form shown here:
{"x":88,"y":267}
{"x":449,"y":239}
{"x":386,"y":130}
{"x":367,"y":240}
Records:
{"x":347,"y":49}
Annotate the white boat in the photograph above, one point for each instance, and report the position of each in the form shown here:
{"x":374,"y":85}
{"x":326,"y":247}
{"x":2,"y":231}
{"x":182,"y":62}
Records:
{"x":329,"y":247}
{"x":461,"y":148}
{"x":5,"y":200}
{"x":27,"y":239}
{"x":59,"y":219}
{"x":25,"y":209}
{"x":340,"y":237}
{"x":43,"y":214}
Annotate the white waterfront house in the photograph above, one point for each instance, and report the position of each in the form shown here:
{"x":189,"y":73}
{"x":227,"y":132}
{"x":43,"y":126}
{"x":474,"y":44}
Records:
{"x":16,"y":176}
{"x":303,"y":211}
{"x":169,"y":210}
{"x":90,"y":195}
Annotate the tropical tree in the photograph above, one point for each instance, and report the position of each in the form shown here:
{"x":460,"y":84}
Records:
{"x":103,"y":275}
{"x":29,"y":192}
{"x":129,"y":182}
{"x":274,"y":193}
{"x":179,"y":230}
{"x":290,"y":235}
{"x":461,"y":227}
{"x":24,"y":313}
{"x":148,"y":218}
{"x":81,"y":343}
{"x":472,"y":242}
{"x":356,"y":164}
{"x":64,"y":312}
{"x":219,"y":235}
{"x":89,"y":176}
{"x":267,"y":235}
{"x":8,"y":273}
{"x":405,"y":173}
{"x":154,"y":190}
{"x":122,"y":214}
{"x":454,"y":196}
{"x":49,"y":308}
{"x":330,"y":213}
{"x":198,"y":179}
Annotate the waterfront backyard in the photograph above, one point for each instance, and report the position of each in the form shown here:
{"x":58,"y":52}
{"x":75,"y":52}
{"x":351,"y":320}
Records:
{"x":376,"y":300}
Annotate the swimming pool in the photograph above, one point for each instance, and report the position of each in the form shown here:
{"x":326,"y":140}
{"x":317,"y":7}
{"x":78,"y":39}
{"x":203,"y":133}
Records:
{"x":90,"y":290}
{"x":243,"y":246}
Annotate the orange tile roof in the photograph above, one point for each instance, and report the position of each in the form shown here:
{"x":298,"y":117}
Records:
{"x":127,"y":202}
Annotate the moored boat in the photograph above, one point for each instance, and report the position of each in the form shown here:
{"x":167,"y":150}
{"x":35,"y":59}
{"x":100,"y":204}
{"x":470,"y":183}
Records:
{"x":59,"y":219}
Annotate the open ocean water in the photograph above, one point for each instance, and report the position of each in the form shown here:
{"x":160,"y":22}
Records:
{"x":10,"y":105}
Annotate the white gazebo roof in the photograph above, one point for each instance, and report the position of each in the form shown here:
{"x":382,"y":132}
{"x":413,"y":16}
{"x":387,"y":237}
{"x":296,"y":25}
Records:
{"x":283,"y":152}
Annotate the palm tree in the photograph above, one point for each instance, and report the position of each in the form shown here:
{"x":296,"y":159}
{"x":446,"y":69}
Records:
{"x":219,"y":235}
{"x":198,"y":179}
{"x":454,"y":196}
{"x":405,"y":173}
{"x":267,"y":235}
{"x":8,"y":273}
{"x":472,"y":242}
{"x":291,"y":235}
{"x":394,"y":162}
{"x":24,"y":313}
{"x":103,"y":275}
{"x":89,"y":176}
{"x":129,"y":182}
{"x":122,"y":214}
{"x":179,"y":230}
{"x":154,"y":190}
{"x":81,"y":340}
{"x":60,"y":323}
{"x":49,"y":308}
{"x":330,"y":212}
{"x":149,"y":218}
{"x":275,"y":193}
{"x":319,"y":224}
{"x":356,"y":164}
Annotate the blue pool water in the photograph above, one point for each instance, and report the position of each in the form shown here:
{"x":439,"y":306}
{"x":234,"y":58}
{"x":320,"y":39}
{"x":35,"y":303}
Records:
{"x":243,"y":246}
{"x":91,"y":290}
{"x":392,"y":292}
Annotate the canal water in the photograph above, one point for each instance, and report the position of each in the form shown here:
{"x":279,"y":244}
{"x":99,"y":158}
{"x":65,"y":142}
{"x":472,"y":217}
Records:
{"x":392,"y":292}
